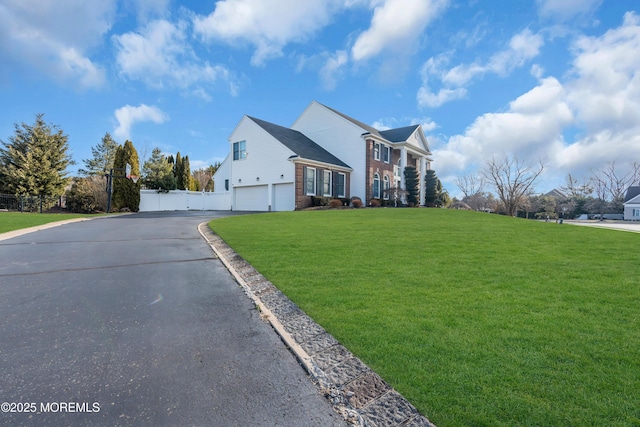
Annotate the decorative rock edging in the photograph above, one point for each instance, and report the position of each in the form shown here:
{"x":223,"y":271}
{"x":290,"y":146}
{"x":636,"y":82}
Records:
{"x":356,"y":392}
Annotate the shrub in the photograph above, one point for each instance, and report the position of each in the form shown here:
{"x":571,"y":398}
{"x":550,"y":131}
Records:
{"x":355,"y":202}
{"x":335,"y":203}
{"x":319,"y":201}
{"x":374,"y":203}
{"x":87,"y":195}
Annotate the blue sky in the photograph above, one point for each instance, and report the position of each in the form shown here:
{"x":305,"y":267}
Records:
{"x":556,"y":80}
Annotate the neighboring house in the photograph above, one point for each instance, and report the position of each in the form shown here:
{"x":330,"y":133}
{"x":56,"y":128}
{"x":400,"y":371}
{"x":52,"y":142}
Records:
{"x":632,"y":204}
{"x":325,"y":153}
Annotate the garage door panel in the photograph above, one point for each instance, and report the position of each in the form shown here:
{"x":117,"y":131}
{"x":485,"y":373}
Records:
{"x":254,"y":198}
{"x":284,"y":197}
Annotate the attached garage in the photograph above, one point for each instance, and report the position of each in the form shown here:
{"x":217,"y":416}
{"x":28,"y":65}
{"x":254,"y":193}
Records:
{"x":284,"y":197}
{"x":253,"y":198}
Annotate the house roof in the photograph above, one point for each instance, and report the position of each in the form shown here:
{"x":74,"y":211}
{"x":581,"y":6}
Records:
{"x":358,"y":123}
{"x":632,"y":193}
{"x":398,"y":134}
{"x":299,"y":143}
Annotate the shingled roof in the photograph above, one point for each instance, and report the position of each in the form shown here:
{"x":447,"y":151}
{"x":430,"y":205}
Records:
{"x":299,"y":143}
{"x":632,"y":192}
{"x":398,"y":134}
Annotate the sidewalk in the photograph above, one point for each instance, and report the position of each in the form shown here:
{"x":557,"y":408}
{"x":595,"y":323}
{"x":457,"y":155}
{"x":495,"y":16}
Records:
{"x":633,"y":227}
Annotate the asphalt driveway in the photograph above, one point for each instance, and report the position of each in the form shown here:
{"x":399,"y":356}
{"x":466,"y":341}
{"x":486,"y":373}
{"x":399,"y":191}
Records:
{"x":131,"y":320}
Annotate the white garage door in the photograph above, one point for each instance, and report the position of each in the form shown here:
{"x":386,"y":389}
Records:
{"x":254,"y":198}
{"x":283,"y":197}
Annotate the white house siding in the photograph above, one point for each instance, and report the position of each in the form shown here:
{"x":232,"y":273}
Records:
{"x":267,"y":164}
{"x":284,"y":198}
{"x":223,"y":173}
{"x":338,"y":136}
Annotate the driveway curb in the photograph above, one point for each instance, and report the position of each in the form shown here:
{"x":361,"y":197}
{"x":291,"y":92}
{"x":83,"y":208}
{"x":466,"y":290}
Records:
{"x":23,"y":231}
{"x":355,"y":391}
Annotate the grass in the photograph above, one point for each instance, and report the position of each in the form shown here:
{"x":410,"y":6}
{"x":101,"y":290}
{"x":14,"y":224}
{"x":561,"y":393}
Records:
{"x":479,"y":320}
{"x":10,"y":221}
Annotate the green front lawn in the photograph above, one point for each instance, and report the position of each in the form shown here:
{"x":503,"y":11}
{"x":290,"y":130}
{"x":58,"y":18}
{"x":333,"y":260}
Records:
{"x":477,"y":319}
{"x":10,"y":221}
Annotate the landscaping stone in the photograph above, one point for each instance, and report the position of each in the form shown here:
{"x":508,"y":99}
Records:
{"x":365,"y":389}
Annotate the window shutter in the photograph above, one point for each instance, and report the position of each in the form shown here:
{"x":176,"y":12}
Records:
{"x":334,"y":186}
{"x":320,"y":181}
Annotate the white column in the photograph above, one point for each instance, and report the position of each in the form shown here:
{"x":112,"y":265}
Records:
{"x":403,"y":164}
{"x":421,"y":175}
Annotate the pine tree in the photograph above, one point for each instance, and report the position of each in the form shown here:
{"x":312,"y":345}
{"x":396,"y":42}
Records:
{"x":431,"y":188}
{"x":35,"y":159}
{"x":126,"y":193}
{"x":411,"y":185}
{"x":104,"y":155}
{"x":157,"y":172}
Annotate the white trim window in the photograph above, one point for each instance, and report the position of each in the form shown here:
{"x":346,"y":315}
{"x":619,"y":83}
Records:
{"x":376,"y":186}
{"x":326,"y":183}
{"x":239,"y":150}
{"x":310,"y":181}
{"x":376,"y":151}
{"x":386,"y":187}
{"x":340,"y":184}
{"x":636,"y":213}
{"x":386,"y":153}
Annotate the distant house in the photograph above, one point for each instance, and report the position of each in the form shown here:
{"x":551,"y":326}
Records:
{"x":632,"y":204}
{"x":325,"y":153}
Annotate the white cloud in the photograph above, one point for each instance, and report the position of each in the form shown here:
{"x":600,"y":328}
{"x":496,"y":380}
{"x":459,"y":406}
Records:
{"x":395,"y":25}
{"x":55,"y":36}
{"x":128,"y":115}
{"x":522,"y":47}
{"x":598,"y":104}
{"x":565,"y":9}
{"x":160,"y":55}
{"x":267,"y":26}
{"x":332,"y":69}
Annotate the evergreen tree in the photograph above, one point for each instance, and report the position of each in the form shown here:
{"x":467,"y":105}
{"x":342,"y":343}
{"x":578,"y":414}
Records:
{"x":431,"y":188}
{"x":126,"y":193}
{"x":157,"y":172}
{"x":411,"y":185}
{"x":186,"y":173}
{"x":178,"y":172}
{"x":104,"y":155}
{"x":35,"y":159}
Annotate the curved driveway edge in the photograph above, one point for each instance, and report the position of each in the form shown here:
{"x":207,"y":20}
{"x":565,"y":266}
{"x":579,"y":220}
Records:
{"x":356,"y":392}
{"x":22,"y":231}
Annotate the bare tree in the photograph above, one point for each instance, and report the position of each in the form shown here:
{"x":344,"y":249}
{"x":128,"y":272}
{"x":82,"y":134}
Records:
{"x":614,"y":183}
{"x":470,"y":184}
{"x":574,"y":188}
{"x":512,"y":179}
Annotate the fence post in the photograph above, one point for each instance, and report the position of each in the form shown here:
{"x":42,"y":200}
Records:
{"x":21,"y":204}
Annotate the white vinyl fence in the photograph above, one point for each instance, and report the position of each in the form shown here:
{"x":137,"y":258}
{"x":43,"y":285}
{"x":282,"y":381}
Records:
{"x":183,"y":200}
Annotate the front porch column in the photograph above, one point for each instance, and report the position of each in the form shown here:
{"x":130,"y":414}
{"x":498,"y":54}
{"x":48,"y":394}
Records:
{"x":403,"y":164}
{"x":421,"y":175}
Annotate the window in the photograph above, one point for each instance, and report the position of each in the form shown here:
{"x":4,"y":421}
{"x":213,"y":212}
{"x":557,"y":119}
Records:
{"x":340,"y":183}
{"x":386,"y":154}
{"x":326,"y":183}
{"x":226,"y":185}
{"x":240,"y":150}
{"x":387,"y":187}
{"x":376,"y":186}
{"x":310,"y":182}
{"x":636,"y":213}
{"x":376,"y":151}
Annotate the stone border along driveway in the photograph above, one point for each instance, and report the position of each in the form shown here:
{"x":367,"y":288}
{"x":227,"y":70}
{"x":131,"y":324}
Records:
{"x":357,"y":393}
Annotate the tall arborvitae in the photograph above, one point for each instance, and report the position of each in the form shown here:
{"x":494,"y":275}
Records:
{"x":126,"y":193}
{"x":431,"y":194}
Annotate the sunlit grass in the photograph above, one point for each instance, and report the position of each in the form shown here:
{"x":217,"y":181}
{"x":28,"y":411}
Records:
{"x":477,"y":319}
{"x":10,"y":221}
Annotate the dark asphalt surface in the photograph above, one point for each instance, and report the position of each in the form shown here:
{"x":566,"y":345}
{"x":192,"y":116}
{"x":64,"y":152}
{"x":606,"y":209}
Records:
{"x":133,"y":316}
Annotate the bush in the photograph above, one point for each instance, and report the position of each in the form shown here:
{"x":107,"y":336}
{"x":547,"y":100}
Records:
{"x":319,"y":201}
{"x":87,"y":195}
{"x":335,"y":203}
{"x":355,"y":202}
{"x":374,"y":203}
